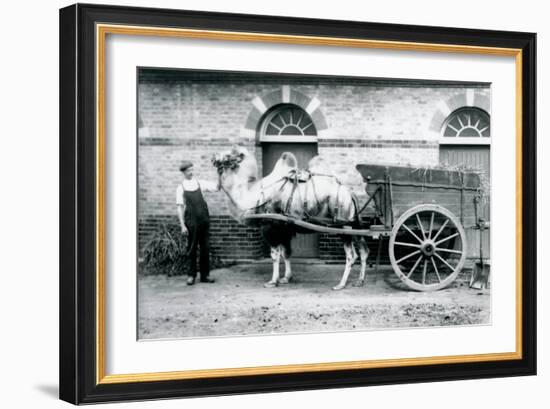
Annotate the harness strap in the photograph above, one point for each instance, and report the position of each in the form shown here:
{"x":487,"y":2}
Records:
{"x":291,"y":197}
{"x":261,"y":198}
{"x":355,"y":208}
{"x":293,"y":177}
{"x":337,"y":204}
{"x":305,"y":197}
{"x":315,"y":195}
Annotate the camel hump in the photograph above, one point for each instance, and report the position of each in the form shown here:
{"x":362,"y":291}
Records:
{"x":286,"y":163}
{"x":289,"y":159}
{"x":317,"y":164}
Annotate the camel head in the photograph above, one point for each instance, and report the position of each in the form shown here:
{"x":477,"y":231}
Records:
{"x":236,"y":167}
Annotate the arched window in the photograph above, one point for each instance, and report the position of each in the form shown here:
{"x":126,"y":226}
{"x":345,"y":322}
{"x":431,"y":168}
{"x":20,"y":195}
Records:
{"x":467,"y":125}
{"x":288,"y":123}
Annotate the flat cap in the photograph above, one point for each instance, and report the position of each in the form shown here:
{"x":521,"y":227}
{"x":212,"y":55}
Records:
{"x":185,"y":165}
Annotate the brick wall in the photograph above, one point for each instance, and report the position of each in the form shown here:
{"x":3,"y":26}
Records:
{"x":233,"y":242}
{"x":191,"y":115}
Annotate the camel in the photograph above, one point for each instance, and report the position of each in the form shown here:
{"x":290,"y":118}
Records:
{"x":320,"y":196}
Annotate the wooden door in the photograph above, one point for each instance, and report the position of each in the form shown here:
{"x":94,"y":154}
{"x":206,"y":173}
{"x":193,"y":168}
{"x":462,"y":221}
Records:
{"x":303,"y":245}
{"x":475,"y":157}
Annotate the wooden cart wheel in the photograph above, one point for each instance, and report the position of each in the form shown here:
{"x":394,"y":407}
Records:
{"x":427,"y":247}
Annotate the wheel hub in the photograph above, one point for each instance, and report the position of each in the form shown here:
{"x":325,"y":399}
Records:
{"x":428,"y":248}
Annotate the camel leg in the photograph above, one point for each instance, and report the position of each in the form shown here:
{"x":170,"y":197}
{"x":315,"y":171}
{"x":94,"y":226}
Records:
{"x":276,"y":258}
{"x":363,"y":254}
{"x":351,"y":256}
{"x":288,"y":270}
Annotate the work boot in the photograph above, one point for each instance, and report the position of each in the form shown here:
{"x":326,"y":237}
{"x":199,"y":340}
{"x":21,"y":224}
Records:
{"x":209,"y":280}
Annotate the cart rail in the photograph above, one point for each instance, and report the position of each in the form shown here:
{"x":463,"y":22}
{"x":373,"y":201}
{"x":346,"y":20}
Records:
{"x":346,"y":230}
{"x":420,"y":177}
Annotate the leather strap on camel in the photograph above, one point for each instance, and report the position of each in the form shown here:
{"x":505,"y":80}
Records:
{"x":294,"y":178}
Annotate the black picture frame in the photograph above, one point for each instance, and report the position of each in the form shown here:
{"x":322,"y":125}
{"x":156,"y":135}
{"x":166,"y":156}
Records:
{"x":78,"y":235}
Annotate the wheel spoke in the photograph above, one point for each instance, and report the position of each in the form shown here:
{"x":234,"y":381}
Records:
{"x":424,"y":271}
{"x":446,"y":238}
{"x":432,"y":257}
{"x":435,"y":268}
{"x":440,"y":229}
{"x":410,"y":231}
{"x":407,"y":256}
{"x":448,"y":250}
{"x":445,"y":262}
{"x":414,"y":267}
{"x":421,"y":227}
{"x":400,"y":243}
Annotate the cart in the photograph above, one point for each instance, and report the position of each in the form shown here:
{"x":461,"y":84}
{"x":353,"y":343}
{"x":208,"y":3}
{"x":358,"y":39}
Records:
{"x":423,"y":212}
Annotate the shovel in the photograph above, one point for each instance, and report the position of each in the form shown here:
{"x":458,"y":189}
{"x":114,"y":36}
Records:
{"x":482,"y":268}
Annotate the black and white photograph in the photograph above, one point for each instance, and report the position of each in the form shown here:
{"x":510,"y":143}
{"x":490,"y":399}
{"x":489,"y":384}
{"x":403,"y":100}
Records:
{"x":272,"y":203}
{"x":286,"y":204}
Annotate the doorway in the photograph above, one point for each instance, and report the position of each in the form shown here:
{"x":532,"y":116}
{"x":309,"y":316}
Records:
{"x":303,"y":245}
{"x":475,"y":157}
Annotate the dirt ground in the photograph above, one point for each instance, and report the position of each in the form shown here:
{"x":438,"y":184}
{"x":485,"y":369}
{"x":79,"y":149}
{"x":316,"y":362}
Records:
{"x":238,"y":304}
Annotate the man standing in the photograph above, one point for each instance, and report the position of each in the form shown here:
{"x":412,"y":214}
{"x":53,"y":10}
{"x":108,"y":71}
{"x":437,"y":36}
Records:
{"x":195,"y":221}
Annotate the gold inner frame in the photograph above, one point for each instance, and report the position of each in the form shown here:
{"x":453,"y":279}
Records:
{"x":101,"y":33}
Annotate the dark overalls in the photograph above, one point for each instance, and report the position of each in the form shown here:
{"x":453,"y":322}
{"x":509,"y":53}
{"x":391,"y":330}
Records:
{"x":197,"y":221}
